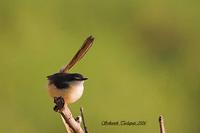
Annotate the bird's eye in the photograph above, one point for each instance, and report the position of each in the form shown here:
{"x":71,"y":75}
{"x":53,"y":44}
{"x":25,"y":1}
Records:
{"x":77,"y":78}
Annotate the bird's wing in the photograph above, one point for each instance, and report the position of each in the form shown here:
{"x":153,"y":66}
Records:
{"x":81,"y":52}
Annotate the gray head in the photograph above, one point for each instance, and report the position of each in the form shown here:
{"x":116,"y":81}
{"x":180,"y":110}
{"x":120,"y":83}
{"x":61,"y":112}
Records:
{"x":62,"y":80}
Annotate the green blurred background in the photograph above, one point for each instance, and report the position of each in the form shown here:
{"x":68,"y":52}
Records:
{"x":144,"y":62}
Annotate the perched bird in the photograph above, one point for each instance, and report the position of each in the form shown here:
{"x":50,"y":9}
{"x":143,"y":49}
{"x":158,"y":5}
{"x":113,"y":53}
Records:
{"x":69,"y":86}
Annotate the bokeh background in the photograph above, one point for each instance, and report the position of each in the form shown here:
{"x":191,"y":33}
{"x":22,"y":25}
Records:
{"x":144,"y":62}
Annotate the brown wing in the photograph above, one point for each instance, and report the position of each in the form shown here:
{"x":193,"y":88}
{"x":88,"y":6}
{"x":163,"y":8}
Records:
{"x":81,"y":52}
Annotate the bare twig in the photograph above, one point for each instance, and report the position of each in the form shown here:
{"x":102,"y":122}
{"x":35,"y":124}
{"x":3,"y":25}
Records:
{"x":84,"y":125}
{"x":162,"y":126}
{"x":71,"y":125}
{"x":69,"y":130}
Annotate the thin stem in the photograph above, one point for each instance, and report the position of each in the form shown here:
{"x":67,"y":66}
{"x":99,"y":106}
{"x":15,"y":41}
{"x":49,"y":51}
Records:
{"x":84,"y":125}
{"x":162,"y":126}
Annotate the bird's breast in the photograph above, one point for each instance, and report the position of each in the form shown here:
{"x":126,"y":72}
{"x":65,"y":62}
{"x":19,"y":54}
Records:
{"x":70,"y":94}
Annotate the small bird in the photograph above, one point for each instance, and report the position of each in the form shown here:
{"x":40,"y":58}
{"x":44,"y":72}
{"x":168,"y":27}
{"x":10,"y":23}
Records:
{"x":69,"y":86}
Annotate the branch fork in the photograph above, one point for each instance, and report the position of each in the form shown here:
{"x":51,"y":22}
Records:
{"x":72,"y":125}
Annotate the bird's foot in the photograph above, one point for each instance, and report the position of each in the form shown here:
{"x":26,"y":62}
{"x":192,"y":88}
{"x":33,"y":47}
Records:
{"x":59,"y":101}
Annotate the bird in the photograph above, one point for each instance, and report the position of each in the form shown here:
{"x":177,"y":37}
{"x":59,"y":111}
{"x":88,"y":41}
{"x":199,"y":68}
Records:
{"x":69,"y":86}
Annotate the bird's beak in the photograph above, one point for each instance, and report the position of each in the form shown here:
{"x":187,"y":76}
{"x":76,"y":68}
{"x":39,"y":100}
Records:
{"x":84,"y":78}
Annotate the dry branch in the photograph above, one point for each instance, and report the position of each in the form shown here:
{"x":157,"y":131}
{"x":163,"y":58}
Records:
{"x":71,"y":125}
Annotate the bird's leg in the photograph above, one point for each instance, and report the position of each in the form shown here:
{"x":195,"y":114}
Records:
{"x":59,"y":101}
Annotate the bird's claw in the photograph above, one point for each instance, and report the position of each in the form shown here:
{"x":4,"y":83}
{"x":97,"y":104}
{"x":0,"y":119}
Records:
{"x":59,"y":101}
